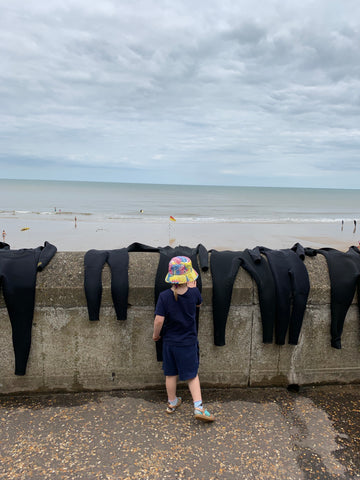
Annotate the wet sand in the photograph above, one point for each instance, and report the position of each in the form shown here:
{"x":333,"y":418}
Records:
{"x":86,"y":234}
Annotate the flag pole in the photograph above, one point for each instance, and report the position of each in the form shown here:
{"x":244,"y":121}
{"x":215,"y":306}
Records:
{"x":171,"y":219}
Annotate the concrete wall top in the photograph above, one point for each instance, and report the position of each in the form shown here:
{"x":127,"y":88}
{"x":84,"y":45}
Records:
{"x":61,"y":283}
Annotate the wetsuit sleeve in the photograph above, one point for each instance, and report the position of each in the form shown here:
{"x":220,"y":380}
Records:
{"x":354,"y":250}
{"x":255,"y":254}
{"x":299,"y":250}
{"x":310,"y":252}
{"x":47,"y":253}
{"x":203,"y":257}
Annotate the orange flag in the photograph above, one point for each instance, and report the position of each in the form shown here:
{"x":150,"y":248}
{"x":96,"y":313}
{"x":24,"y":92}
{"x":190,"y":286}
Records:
{"x":172,"y":219}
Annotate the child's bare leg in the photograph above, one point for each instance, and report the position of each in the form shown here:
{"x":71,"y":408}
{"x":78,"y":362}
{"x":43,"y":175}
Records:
{"x":195,"y":390}
{"x":170,"y":383}
{"x":199,"y":411}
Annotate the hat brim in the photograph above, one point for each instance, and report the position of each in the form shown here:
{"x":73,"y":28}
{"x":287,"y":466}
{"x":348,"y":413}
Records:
{"x":189,"y":277}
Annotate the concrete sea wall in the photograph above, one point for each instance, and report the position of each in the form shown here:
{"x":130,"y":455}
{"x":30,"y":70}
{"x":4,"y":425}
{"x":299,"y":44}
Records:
{"x":70,"y":353}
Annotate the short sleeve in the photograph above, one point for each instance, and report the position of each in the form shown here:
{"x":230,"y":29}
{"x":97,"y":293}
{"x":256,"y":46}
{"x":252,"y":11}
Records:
{"x":160,"y":307}
{"x":198,"y":297}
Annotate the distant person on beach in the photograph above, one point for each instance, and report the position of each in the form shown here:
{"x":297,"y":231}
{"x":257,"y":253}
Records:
{"x":342,"y":225}
{"x":175,"y":319}
{"x":75,"y":222}
{"x":3,"y":235}
{"x":354,"y":226}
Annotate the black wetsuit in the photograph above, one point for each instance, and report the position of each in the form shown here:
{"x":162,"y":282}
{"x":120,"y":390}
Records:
{"x":292,"y":290}
{"x":224,"y":268}
{"x":281,"y":278}
{"x":18,"y":269}
{"x":118,"y":261}
{"x":344,"y":272}
{"x":258,"y":267}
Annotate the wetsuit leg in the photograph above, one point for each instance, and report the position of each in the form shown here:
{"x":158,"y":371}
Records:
{"x":354,"y":253}
{"x":94,"y":261}
{"x":224,"y":267}
{"x":300,"y":287}
{"x":280,"y":270}
{"x":343,"y":280}
{"x":118,"y":261}
{"x":19,"y":281}
{"x":259,"y":270}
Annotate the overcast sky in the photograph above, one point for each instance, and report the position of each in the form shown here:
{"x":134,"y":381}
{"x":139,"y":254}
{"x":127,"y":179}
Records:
{"x":203,"y":92}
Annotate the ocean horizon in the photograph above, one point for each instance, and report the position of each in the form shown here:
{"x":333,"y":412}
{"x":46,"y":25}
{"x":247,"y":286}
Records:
{"x":186,"y":203}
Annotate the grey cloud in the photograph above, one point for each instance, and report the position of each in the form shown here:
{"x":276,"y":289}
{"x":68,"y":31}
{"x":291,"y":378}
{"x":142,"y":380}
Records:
{"x":179,"y":82}
{"x":247,"y":33}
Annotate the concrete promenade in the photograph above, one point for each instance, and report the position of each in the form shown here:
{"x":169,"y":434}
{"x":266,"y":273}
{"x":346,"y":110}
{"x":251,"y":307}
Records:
{"x":259,"y":433}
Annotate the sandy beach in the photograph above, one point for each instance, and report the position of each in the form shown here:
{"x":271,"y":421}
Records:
{"x":85,"y":234}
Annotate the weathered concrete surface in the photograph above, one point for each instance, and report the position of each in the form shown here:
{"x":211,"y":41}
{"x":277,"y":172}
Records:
{"x":71,"y":353}
{"x":259,"y":434}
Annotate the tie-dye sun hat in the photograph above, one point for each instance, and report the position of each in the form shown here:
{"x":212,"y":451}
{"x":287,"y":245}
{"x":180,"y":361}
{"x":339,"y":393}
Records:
{"x":181,"y":271}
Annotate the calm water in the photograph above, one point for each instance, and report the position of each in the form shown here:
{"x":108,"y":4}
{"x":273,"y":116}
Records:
{"x":186,"y":203}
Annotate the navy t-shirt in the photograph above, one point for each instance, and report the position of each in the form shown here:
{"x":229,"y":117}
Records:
{"x":180,"y":316}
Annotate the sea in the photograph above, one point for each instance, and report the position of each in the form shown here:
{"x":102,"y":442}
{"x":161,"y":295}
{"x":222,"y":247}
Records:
{"x":77,"y":216}
{"x":185,"y":203}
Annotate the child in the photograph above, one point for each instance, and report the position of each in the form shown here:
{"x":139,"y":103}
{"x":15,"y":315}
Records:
{"x":176,"y":313}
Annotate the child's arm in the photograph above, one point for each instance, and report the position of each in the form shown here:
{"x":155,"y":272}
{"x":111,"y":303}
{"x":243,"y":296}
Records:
{"x":193,"y":285}
{"x":158,"y":323}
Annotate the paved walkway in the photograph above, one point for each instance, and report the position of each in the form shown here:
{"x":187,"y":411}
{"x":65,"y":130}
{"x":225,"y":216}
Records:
{"x":258,"y":434}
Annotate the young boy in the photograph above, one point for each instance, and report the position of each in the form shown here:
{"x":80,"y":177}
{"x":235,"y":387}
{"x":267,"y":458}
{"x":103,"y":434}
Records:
{"x":175,"y":314}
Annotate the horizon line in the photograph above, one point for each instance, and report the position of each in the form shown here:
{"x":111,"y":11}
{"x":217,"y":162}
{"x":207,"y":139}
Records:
{"x":176,"y":184}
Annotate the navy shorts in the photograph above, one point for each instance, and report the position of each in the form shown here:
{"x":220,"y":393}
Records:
{"x":182,"y":360}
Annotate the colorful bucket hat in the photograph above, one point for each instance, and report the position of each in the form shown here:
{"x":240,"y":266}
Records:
{"x":181,"y":271}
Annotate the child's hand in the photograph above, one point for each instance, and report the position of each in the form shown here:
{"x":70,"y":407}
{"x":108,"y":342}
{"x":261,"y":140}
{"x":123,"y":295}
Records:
{"x":191,"y":284}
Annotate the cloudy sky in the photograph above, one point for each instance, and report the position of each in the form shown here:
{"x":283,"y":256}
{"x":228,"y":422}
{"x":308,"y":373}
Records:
{"x":193,"y":92}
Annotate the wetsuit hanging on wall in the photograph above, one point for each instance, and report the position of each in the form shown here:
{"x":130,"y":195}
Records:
{"x":18,"y":270}
{"x":292,"y":287}
{"x":118,"y":261}
{"x":224,"y":268}
{"x":281,"y":278}
{"x":344,"y":272}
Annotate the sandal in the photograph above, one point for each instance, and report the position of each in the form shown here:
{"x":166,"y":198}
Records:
{"x":202,"y":414}
{"x":171,"y":408}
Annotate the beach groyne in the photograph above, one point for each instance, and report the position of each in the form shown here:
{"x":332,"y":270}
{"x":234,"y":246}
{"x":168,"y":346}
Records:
{"x":70,"y":353}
